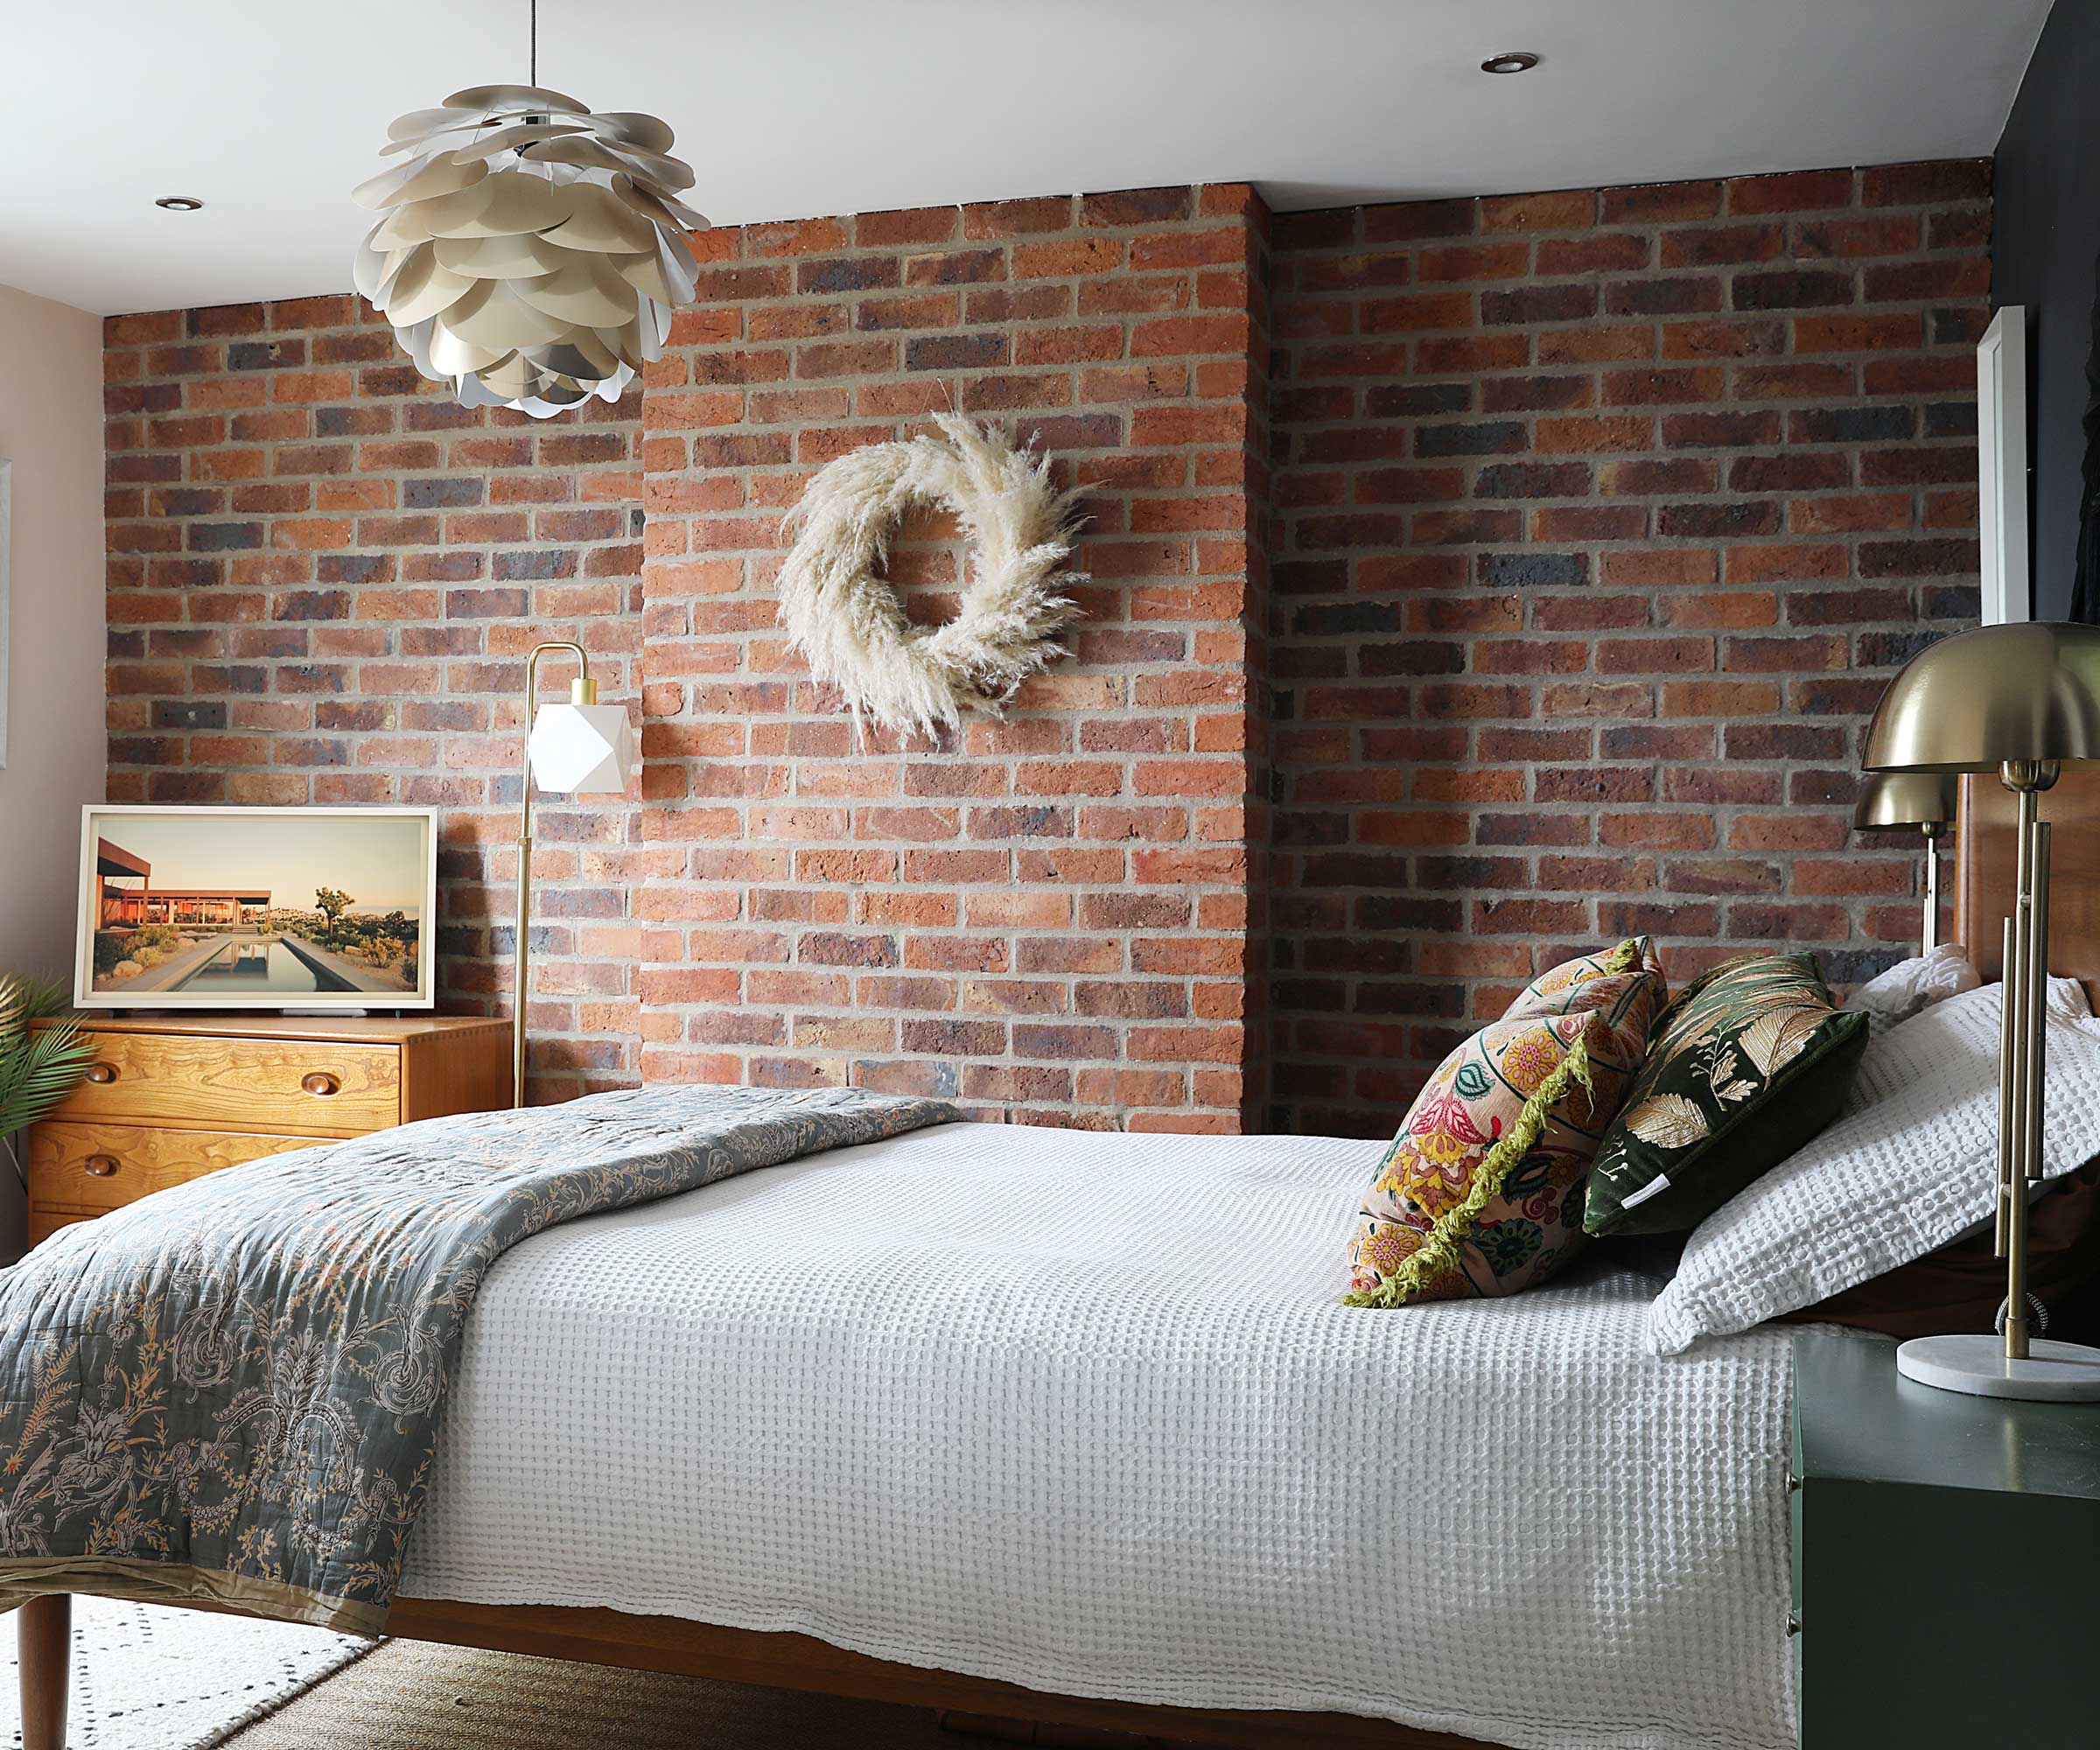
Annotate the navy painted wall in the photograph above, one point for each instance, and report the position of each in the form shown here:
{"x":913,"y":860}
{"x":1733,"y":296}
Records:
{"x":2044,"y":253}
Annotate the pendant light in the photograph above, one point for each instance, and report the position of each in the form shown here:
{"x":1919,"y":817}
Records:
{"x":531,"y":251}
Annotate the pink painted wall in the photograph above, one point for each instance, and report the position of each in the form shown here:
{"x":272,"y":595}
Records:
{"x":50,"y":428}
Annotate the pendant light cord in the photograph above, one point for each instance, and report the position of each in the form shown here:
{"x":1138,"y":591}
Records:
{"x":533,"y":29}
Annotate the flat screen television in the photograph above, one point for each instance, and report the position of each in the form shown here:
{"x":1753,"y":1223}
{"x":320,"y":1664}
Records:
{"x":256,"y":908}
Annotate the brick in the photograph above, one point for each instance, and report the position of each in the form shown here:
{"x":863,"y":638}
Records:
{"x":1660,"y":202}
{"x":1687,"y":295}
{"x":1568,"y":210}
{"x":1722,"y":245}
{"x":1792,"y":289}
{"x":1585,"y":436}
{"x":1138,"y":207}
{"x":1017,"y":218}
{"x":1605,"y":252}
{"x":1790,"y":192}
{"x":1532,"y":305}
{"x":1914,"y":184}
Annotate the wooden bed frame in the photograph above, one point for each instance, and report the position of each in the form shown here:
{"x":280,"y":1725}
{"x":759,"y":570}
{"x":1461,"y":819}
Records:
{"x":1985,"y":878}
{"x":747,"y":1655}
{"x":801,"y":1661}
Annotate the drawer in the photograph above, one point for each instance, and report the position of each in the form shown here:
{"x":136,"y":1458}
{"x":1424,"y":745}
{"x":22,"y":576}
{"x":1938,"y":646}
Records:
{"x":43,"y":1223}
{"x":73,"y":1168}
{"x":294,"y":1086}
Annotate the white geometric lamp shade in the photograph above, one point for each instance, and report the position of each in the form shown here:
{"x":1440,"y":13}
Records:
{"x":581,"y":750}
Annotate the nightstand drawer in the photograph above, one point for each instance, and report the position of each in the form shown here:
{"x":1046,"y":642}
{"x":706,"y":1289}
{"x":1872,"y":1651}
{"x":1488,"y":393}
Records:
{"x":288,"y":1086}
{"x":77,"y":1168}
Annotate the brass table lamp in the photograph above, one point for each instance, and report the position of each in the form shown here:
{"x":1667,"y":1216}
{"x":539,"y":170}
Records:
{"x":579,"y":749}
{"x":2022,"y":701}
{"x":1923,"y":800}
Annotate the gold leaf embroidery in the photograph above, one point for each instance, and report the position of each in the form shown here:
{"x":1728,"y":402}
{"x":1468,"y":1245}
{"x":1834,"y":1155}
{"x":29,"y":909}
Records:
{"x":1778,"y":1036}
{"x":1669,"y":1121}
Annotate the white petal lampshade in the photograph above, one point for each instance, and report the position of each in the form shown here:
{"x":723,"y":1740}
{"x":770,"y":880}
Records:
{"x":531,"y":251}
{"x":581,"y":750}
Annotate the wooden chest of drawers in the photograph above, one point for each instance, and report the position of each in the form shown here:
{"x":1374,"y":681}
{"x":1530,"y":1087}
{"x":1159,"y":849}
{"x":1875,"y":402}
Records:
{"x":170,"y":1097}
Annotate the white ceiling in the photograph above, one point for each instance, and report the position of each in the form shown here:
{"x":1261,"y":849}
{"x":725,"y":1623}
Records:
{"x":271,"y":112}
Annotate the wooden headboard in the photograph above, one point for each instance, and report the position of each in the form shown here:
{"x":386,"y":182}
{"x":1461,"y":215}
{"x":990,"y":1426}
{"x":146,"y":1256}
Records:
{"x":1983,"y":882}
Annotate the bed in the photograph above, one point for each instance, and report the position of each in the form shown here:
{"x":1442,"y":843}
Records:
{"x":1067,"y":1426}
{"x":1127,"y":1447}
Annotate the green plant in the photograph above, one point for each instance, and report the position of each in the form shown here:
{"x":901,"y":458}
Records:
{"x":39,"y":1067}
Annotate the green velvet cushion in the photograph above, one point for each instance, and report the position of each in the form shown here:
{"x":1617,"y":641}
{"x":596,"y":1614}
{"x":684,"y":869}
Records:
{"x":1748,"y":1064}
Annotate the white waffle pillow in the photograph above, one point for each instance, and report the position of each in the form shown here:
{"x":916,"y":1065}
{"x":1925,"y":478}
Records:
{"x":1911,"y":986}
{"x":1909,"y":1167}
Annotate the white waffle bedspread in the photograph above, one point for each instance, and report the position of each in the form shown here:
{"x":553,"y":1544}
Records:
{"x":1081,"y":1411}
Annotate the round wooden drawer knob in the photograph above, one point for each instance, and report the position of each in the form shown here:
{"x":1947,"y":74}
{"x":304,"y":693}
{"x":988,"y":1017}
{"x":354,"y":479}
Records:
{"x":320,"y":1084}
{"x":100,"y":1165}
{"x":102,"y":1074}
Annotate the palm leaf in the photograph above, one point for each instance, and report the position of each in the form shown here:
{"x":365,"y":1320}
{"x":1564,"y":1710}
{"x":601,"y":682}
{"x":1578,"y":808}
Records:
{"x":39,"y":1067}
{"x":40,"y":997}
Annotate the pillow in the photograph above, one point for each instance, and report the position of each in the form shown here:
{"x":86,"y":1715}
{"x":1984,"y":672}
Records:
{"x":1912,"y":985}
{"x":1560,"y":989}
{"x":1912,"y":1167}
{"x":1748,"y":1063}
{"x":1481,"y":1193}
{"x":1958,"y":1289}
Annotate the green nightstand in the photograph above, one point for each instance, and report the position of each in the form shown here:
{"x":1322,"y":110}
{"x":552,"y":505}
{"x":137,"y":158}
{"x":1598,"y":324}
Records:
{"x":1946,"y":1561}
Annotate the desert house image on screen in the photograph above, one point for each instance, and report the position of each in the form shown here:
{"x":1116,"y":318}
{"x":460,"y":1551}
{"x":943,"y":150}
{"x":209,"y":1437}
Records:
{"x":259,"y":904}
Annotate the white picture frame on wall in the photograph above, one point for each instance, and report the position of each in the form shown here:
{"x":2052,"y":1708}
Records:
{"x":6,"y":544}
{"x":2001,"y":453}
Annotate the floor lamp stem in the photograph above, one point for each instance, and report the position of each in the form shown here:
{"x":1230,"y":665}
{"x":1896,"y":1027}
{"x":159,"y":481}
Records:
{"x":2008,"y":1025}
{"x":521,"y":948}
{"x":521,"y":958}
{"x":2023,"y":1074}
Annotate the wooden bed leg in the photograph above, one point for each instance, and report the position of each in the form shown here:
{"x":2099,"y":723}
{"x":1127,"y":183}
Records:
{"x":44,"y":1642}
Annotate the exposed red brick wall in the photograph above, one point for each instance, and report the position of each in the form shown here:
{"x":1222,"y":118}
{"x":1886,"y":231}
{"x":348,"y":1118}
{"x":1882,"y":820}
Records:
{"x":1602,"y":518}
{"x":324,"y":576}
{"x":1050,"y":921}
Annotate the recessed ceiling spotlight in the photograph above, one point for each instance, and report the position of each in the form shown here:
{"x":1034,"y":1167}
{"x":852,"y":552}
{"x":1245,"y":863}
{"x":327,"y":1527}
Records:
{"x":178,"y":203}
{"x":1518,"y":60}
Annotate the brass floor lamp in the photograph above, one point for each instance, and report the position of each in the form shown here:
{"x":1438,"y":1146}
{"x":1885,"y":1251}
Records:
{"x":1924,"y":801}
{"x":579,"y":749}
{"x":2024,"y":702}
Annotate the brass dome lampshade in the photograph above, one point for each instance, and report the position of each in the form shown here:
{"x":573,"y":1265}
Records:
{"x":1924,"y":801}
{"x":2022,"y":701}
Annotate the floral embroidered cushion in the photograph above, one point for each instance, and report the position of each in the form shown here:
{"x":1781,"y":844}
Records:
{"x":1560,"y":988}
{"x":1746,"y":1065}
{"x":1481,"y":1192}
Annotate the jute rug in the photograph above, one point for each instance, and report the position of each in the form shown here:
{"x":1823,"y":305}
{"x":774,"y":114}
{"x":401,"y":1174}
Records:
{"x":413,"y":1696}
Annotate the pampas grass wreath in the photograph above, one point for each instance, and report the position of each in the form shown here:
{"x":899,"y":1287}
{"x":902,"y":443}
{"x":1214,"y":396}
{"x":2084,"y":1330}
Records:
{"x":848,"y":622}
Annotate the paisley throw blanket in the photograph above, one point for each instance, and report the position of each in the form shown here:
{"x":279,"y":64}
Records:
{"x":231,"y":1391}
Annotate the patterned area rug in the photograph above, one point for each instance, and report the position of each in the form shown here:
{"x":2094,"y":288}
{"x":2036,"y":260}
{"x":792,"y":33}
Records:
{"x":150,"y":1678}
